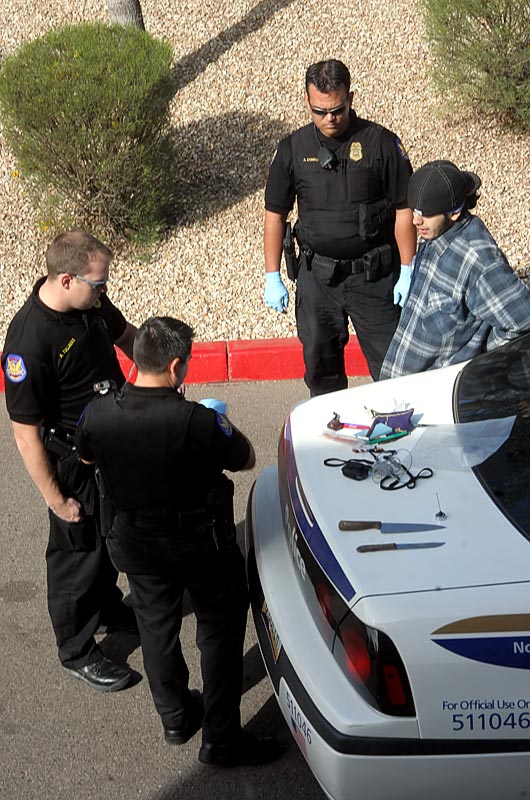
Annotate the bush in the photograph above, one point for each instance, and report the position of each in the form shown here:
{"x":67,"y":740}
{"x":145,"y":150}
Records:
{"x":86,"y":112}
{"x":482,"y":54}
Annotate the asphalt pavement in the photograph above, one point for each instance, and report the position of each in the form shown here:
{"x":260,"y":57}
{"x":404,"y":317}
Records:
{"x":58,"y":737}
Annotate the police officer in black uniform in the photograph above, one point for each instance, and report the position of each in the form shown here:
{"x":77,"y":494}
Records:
{"x":349,"y":177}
{"x":59,"y":349}
{"x":162,"y":460}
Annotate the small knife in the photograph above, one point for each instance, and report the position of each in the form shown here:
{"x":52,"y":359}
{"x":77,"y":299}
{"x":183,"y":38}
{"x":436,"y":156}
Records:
{"x":375,"y":548}
{"x":386,"y":527}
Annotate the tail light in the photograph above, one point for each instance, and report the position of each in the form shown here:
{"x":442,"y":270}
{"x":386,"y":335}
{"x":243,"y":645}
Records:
{"x":323,"y":597}
{"x":357,"y":657}
{"x":367,"y":656}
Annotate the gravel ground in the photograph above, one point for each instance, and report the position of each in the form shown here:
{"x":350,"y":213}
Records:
{"x":241,"y":66}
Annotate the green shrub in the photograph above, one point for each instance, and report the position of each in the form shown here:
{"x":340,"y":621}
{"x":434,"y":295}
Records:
{"x":481,"y":52}
{"x":85,"y":110}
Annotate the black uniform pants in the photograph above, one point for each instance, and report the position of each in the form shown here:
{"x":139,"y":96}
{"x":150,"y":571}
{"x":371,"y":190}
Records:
{"x":322,"y":311}
{"x":82,"y":590}
{"x":159,"y":569}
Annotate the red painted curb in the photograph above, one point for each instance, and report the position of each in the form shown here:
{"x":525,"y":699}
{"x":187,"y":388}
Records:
{"x":208,"y":363}
{"x":265,"y":359}
{"x":281,"y":359}
{"x":249,"y":360}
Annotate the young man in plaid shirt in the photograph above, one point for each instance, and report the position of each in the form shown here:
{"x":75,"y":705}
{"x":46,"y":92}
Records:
{"x":464,"y":297}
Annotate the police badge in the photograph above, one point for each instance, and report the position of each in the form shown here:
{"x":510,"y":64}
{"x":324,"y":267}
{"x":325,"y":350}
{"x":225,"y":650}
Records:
{"x":356,"y":151}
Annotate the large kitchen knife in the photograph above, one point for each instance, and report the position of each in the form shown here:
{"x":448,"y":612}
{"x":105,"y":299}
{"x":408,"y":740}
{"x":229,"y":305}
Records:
{"x":386,"y":527}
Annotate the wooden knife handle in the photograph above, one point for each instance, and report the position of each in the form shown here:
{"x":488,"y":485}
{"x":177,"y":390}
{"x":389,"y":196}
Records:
{"x":353,"y":525}
{"x":376,"y":548}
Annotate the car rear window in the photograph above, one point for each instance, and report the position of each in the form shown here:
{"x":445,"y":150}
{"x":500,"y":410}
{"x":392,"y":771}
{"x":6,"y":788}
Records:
{"x":493,"y":385}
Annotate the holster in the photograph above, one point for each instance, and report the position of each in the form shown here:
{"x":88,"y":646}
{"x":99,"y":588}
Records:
{"x":77,"y":480}
{"x":106,"y":507}
{"x":292,"y":263}
{"x":220,"y":503}
{"x":58,"y":442}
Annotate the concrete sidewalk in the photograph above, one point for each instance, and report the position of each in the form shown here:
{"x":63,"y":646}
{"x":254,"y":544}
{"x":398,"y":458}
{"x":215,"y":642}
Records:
{"x":62,"y":740}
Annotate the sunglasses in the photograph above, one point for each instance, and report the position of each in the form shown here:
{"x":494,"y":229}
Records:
{"x":335,"y":112}
{"x":92,"y":284}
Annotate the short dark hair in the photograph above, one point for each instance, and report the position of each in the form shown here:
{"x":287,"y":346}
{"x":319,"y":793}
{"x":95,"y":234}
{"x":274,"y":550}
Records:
{"x":327,"y":76}
{"x":159,"y":341}
{"x":72,"y":251}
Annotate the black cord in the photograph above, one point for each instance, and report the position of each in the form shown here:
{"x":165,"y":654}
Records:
{"x":391,"y":483}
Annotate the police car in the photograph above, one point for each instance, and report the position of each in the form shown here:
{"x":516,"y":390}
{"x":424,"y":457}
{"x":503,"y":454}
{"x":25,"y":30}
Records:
{"x":394,"y":622}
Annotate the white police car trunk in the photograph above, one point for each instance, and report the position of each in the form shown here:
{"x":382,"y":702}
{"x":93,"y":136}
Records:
{"x":400,"y":673}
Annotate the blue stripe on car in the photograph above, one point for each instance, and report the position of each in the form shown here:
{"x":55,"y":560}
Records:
{"x":308,"y":526}
{"x":504,"y":651}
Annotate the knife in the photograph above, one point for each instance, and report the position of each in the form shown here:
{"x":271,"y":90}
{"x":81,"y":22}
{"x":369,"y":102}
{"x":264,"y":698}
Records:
{"x":375,"y":548}
{"x":386,"y":527}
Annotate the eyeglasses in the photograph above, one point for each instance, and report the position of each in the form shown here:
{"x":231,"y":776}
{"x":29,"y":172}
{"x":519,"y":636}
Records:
{"x":92,"y":284}
{"x":335,"y":112}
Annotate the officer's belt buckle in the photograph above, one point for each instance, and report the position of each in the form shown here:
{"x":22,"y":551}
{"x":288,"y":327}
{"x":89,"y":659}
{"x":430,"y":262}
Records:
{"x":338,"y":265}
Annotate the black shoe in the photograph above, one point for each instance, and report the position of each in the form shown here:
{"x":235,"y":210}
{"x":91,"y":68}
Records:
{"x":193,"y":722}
{"x":103,"y":675}
{"x":246,"y":751}
{"x":121,"y":619}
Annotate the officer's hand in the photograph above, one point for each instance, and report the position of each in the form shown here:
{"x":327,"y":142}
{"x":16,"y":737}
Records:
{"x":217,"y":405}
{"x":276,"y":295}
{"x":402,"y":287}
{"x":69,"y":510}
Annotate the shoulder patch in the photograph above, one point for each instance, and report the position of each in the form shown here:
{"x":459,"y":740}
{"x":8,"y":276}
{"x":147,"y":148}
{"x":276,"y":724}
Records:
{"x":401,"y":150}
{"x":15,"y":368}
{"x":224,"y":425}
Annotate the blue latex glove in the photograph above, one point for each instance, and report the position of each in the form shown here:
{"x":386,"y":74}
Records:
{"x":276,"y":295}
{"x":216,"y":405}
{"x":402,"y":287}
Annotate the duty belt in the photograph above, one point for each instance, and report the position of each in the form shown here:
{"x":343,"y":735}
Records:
{"x":344,"y":265}
{"x":375,"y":264}
{"x":177,"y":521}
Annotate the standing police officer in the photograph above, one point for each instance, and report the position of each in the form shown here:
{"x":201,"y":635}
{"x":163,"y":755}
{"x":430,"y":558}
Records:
{"x":349,"y":177}
{"x":59,"y":349}
{"x":162,"y":460}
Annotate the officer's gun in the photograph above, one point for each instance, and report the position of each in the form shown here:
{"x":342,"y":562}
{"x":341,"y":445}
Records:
{"x":292,"y":262}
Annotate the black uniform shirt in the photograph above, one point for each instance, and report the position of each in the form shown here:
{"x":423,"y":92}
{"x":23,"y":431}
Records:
{"x":159,"y":454}
{"x":371,"y":165}
{"x":53,"y":359}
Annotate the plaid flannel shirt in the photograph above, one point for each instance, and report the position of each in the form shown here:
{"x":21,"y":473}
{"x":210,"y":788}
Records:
{"x":464,"y":299}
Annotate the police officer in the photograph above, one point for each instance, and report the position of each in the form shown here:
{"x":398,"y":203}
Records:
{"x":162,"y":460}
{"x":59,"y":348}
{"x":349,"y":177}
